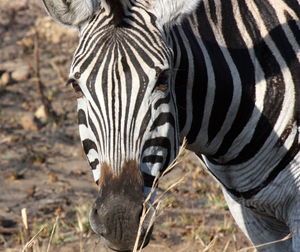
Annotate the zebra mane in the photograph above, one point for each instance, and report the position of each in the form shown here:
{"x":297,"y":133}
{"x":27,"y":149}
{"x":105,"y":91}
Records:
{"x":117,"y":9}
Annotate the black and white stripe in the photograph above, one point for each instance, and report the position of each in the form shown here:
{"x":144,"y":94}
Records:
{"x":239,"y":67}
{"x":225,"y":74}
{"x":236,"y":78}
{"x":120,"y":70}
{"x":237,"y":91}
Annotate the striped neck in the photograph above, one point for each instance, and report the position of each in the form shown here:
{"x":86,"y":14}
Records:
{"x":235,"y":89}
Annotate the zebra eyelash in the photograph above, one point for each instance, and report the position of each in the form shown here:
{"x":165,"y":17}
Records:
{"x":162,"y":83}
{"x":76,"y":87}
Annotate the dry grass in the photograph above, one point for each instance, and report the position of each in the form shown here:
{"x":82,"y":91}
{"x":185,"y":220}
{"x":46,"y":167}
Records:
{"x":205,"y":228}
{"x":198,"y":227}
{"x":289,"y":236}
{"x":157,"y":203}
{"x":57,"y":232}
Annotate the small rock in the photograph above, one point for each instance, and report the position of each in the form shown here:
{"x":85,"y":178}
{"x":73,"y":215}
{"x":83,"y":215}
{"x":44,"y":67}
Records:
{"x":8,"y":226}
{"x":9,"y":52}
{"x":13,"y":176}
{"x":31,"y":192}
{"x":21,"y":74}
{"x":26,"y":106}
{"x":52,"y":177}
{"x":26,"y":43}
{"x":5,"y":79}
{"x":19,"y":5}
{"x":78,"y":172}
{"x":6,"y":16}
{"x":14,"y":4}
{"x":11,"y":65}
{"x":41,"y":113}
{"x":29,"y":122}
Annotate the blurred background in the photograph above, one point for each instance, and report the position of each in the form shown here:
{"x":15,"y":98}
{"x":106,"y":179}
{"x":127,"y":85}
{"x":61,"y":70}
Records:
{"x":46,"y":186}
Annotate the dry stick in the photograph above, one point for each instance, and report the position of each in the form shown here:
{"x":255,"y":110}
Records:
{"x":226,"y":245}
{"x":24,"y":218}
{"x":95,"y":245}
{"x":56,"y":68}
{"x":52,"y":233}
{"x":32,"y":240}
{"x":80,"y":225}
{"x":211,"y":244}
{"x":25,"y":224}
{"x":45,"y":101}
{"x":158,"y":201}
{"x":169,"y":168}
{"x":289,"y":236}
{"x":234,"y":242}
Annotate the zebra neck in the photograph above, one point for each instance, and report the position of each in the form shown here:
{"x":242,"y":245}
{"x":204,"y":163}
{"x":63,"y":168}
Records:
{"x":236,"y":87}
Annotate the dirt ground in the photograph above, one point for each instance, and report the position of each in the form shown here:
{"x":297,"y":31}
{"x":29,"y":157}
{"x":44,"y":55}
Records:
{"x":43,"y":169}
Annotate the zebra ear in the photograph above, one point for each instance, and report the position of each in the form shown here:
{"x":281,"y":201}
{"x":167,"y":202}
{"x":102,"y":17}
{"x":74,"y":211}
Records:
{"x":172,"y":11}
{"x":71,"y":12}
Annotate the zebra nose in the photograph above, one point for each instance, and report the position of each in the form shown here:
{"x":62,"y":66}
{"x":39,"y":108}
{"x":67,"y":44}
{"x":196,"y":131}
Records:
{"x":118,"y":215}
{"x":117,"y":222}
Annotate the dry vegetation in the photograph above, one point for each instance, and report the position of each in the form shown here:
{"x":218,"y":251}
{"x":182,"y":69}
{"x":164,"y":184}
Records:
{"x":42,"y":168}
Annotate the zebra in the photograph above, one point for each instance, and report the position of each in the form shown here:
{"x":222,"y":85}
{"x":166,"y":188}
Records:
{"x":223,"y":74}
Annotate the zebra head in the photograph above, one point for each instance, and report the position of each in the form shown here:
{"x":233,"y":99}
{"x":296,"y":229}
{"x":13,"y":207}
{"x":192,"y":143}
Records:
{"x":122,"y":72}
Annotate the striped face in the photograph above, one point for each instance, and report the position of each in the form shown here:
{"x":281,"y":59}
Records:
{"x":126,"y":107}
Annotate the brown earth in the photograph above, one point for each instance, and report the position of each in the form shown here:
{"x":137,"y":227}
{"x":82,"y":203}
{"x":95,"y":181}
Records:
{"x":43,"y":169}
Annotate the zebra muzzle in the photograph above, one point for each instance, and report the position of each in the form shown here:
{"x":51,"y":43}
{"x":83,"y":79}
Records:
{"x":121,"y":223}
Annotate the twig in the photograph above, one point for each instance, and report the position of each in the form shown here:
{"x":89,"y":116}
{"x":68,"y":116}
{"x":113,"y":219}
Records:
{"x":211,"y":244}
{"x":25,"y":224}
{"x":30,"y":243}
{"x":191,"y":211}
{"x":54,"y":65}
{"x":289,"y":236}
{"x":95,"y":245}
{"x":52,"y":233}
{"x":45,"y":101}
{"x":157,"y":202}
{"x":226,"y":246}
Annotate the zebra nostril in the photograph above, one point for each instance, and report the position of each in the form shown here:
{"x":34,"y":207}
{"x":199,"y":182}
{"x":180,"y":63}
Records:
{"x":103,"y":231}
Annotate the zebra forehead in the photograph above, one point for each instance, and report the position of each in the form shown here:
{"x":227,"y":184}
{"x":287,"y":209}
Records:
{"x":121,"y":45}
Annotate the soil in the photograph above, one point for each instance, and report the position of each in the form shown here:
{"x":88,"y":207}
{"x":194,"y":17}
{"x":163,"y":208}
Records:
{"x":43,"y":169}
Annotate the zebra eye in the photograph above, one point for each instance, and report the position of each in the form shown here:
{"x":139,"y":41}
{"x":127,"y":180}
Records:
{"x":76,"y":87}
{"x":162,"y":82}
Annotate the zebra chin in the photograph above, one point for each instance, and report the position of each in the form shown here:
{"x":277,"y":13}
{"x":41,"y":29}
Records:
{"x":118,"y":214}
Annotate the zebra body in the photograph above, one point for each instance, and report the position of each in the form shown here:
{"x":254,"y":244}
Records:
{"x":223,"y":74}
{"x":239,"y":62}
